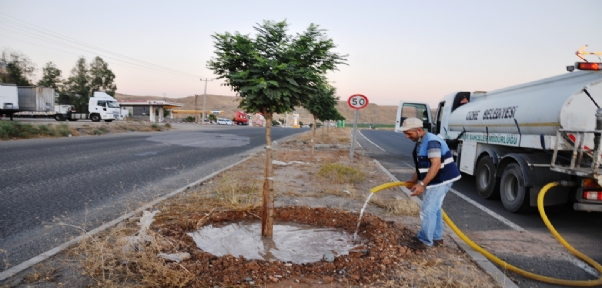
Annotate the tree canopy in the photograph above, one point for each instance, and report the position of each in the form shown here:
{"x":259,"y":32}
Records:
{"x":51,"y":76}
{"x":18,"y":69}
{"x":85,"y":80}
{"x":274,"y":72}
{"x":100,"y":77}
{"x":322,"y":105}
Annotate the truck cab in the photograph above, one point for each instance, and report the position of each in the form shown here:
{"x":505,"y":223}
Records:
{"x":103,"y":107}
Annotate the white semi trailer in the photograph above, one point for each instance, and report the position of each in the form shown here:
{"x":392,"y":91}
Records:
{"x":517,"y":139}
{"x":9,"y":99}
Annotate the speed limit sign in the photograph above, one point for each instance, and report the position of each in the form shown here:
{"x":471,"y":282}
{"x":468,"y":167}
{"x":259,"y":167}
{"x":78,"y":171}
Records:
{"x":357,"y":101}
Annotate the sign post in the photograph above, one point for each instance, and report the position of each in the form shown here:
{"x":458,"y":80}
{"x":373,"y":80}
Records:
{"x":357,"y":102}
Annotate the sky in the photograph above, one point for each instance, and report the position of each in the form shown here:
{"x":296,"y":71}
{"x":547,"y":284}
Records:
{"x":397,"y":50}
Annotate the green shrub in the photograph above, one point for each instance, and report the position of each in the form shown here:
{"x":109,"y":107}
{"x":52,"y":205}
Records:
{"x":341,"y":174}
{"x":63,"y":130}
{"x":7,"y":130}
{"x":97,"y":132}
{"x":167,"y":125}
{"x":45,"y":130}
{"x":25,"y":130}
{"x":24,"y":134}
{"x":156,"y":127}
{"x":30,"y":129}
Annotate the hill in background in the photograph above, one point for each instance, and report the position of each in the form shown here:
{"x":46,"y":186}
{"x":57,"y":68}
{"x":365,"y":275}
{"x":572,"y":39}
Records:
{"x":229,"y":105}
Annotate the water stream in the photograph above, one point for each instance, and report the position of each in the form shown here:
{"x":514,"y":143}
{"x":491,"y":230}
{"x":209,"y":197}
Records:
{"x":361,"y":214}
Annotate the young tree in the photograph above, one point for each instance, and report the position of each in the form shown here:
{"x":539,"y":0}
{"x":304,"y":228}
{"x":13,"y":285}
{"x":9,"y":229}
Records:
{"x":19,"y":69}
{"x":51,"y":77}
{"x":101,"y":78}
{"x":322,"y":106}
{"x":273,"y":73}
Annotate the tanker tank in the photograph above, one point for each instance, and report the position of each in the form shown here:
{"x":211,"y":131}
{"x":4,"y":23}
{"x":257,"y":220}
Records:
{"x":539,"y":107}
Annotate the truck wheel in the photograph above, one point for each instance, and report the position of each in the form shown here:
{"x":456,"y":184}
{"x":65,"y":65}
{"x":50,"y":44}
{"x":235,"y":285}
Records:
{"x":95,"y":118}
{"x":59,"y":117}
{"x":486,"y":182}
{"x":515,"y":196}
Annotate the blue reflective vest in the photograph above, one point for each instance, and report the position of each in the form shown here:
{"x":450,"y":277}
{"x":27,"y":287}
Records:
{"x":449,"y":170}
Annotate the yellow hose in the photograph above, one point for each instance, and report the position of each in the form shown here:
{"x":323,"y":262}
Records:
{"x":544,"y":190}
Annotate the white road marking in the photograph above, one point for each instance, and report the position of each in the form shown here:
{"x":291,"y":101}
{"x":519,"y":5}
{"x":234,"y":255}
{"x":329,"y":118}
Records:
{"x":371,"y":142}
{"x":488,"y":211}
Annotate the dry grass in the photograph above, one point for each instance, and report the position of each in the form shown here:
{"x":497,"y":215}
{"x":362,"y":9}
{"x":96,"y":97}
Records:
{"x":341,"y":174}
{"x":106,"y":262}
{"x":402,"y":207}
{"x":438,"y":272}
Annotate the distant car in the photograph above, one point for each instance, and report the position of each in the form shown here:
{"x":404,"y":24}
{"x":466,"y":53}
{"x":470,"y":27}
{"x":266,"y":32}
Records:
{"x":224,"y":122}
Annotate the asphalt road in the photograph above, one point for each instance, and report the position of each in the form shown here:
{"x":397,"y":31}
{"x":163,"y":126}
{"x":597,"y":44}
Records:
{"x":542,"y":255}
{"x":52,"y":190}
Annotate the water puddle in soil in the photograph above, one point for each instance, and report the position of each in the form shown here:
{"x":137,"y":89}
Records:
{"x":291,"y":242}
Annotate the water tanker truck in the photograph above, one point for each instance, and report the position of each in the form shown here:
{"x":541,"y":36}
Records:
{"x":517,"y":139}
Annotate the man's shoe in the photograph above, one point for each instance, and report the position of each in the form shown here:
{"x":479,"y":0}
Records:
{"x":438,"y":243}
{"x":417,"y":245}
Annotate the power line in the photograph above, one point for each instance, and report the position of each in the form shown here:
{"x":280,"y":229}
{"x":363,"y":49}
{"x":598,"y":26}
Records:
{"x":109,"y":57}
{"x":36,"y":30}
{"x":117,"y":64}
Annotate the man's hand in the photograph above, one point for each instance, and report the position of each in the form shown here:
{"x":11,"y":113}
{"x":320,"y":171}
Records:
{"x":417,"y":190}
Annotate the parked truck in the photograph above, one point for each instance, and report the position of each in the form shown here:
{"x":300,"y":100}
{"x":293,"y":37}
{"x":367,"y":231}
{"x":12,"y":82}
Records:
{"x":39,"y":102}
{"x":517,"y":139}
{"x":241,"y":118}
{"x":101,"y":106}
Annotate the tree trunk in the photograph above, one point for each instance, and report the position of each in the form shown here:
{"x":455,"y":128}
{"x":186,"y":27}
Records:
{"x":267,"y":219}
{"x":313,"y":137}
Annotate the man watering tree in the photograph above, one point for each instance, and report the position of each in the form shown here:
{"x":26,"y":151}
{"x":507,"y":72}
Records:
{"x":435,"y":173}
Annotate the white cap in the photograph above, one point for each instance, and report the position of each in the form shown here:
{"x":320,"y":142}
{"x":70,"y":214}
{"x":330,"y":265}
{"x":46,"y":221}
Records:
{"x":410,"y":123}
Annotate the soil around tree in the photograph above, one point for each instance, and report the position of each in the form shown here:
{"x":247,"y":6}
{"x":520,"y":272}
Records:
{"x":375,"y":261}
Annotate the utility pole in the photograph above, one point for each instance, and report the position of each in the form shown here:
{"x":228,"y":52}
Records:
{"x":204,"y":99}
{"x":196,"y":108}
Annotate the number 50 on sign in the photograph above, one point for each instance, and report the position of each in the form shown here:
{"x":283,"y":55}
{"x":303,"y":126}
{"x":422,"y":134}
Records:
{"x":357,"y":101}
